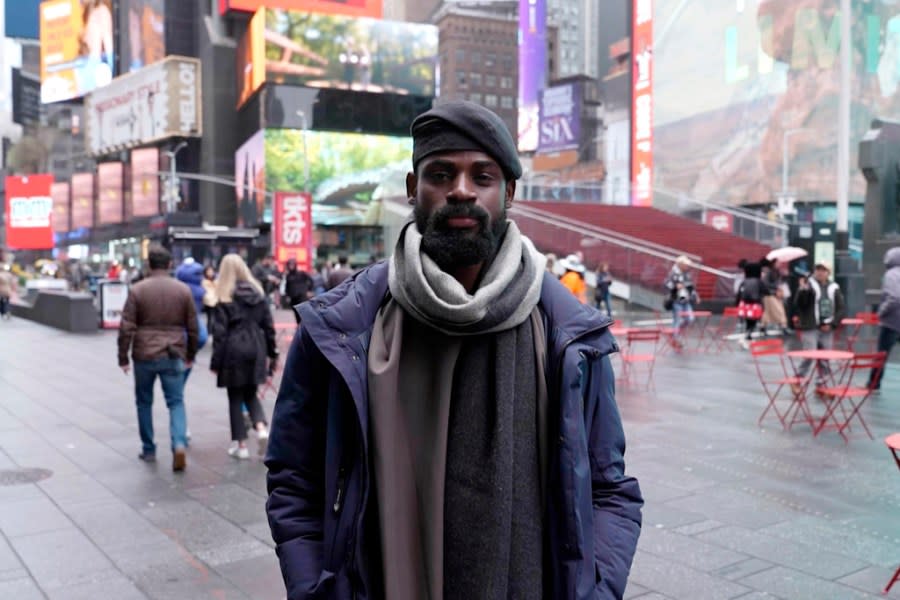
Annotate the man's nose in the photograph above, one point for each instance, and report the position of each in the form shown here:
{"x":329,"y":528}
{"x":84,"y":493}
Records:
{"x":463,"y":189}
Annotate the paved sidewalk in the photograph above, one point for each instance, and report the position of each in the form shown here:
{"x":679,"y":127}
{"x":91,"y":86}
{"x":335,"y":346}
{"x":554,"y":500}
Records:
{"x":733,"y":510}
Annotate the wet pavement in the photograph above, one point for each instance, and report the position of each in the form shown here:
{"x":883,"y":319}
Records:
{"x":733,"y":510}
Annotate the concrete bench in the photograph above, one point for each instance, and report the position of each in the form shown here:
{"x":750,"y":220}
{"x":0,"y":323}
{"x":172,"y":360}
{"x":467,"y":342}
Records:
{"x":70,"y":311}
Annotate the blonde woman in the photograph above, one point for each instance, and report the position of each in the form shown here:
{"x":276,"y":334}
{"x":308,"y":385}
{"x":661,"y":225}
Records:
{"x":243,"y":336}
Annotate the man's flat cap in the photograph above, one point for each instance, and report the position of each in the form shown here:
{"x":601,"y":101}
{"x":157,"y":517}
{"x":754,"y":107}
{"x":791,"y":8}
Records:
{"x":463,"y":125}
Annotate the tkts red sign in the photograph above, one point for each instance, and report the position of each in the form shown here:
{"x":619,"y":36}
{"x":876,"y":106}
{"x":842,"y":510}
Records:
{"x":29,"y":206}
{"x":292,"y":227}
{"x":642,"y":104}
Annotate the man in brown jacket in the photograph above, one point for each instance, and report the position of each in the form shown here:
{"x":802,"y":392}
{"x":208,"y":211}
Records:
{"x":159,"y":324}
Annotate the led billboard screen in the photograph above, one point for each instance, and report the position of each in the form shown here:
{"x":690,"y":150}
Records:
{"x":82,"y":200}
{"x":60,"y":194}
{"x":736,"y":84}
{"x":21,"y":19}
{"x":642,"y":104}
{"x":560,"y":118}
{"x":250,"y":181}
{"x":532,"y":68}
{"x":362,"y":54}
{"x":145,"y":182}
{"x":145,"y":24}
{"x":110,"y":181}
{"x":29,"y":207}
{"x":356,"y":8}
{"x":251,"y":58}
{"x":76,"y":48}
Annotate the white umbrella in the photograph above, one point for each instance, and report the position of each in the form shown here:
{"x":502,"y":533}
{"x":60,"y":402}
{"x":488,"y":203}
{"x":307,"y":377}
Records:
{"x":786,"y":254}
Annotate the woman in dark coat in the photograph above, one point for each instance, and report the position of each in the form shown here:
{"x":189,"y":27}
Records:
{"x":243,"y":336}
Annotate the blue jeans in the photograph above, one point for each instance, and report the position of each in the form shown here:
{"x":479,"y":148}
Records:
{"x":171,"y":376}
{"x":682,"y":315}
{"x":604,"y":298}
{"x":887,"y":337}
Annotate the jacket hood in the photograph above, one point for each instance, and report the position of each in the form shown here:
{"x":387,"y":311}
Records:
{"x":190,"y":273}
{"x":892,"y":258}
{"x":246,"y":293}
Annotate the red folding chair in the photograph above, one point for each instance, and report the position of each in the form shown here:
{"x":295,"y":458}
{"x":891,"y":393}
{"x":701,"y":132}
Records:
{"x":776,"y":375}
{"x":849,"y":394}
{"x":893,"y":444}
{"x":727,"y":325}
{"x":640,"y":349}
{"x":864,"y":319}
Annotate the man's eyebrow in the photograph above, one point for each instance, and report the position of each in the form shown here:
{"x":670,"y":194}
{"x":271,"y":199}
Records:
{"x":485,"y":163}
{"x":442,"y":163}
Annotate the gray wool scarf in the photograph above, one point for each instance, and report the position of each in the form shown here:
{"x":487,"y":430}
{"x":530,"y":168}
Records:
{"x":509,"y":289}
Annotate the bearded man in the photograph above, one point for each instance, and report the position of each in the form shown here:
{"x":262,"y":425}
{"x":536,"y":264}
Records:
{"x":446,"y":427}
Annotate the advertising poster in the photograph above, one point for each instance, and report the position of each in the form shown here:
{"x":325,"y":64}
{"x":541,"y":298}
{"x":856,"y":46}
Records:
{"x":292,"y":229}
{"x":110,"y":181}
{"x":719,"y":220}
{"x":769,"y":71}
{"x":532,"y":68}
{"x":26,"y":97}
{"x":157,"y":102}
{"x":113,"y":295}
{"x":145,"y":22}
{"x":29,"y":207}
{"x":354,"y":8}
{"x":60,"y":194}
{"x":76,"y":48}
{"x":251,"y":58}
{"x":360,"y":54}
{"x":348,"y":172}
{"x":560,"y":118}
{"x":82,"y":200}
{"x":642,"y":104}
{"x":250,"y":180}
{"x":145,"y":182}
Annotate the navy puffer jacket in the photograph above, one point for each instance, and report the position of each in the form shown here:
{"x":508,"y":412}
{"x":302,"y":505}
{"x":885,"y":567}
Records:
{"x":320,"y":480}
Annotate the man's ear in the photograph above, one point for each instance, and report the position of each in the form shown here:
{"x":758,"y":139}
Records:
{"x":412,"y":186}
{"x":510,"y":193}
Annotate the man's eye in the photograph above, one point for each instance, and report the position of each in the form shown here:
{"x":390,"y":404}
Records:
{"x":485,"y":178}
{"x":439,"y":176}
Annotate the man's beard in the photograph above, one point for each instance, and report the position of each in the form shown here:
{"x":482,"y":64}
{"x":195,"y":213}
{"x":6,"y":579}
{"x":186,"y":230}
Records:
{"x":449,"y":247}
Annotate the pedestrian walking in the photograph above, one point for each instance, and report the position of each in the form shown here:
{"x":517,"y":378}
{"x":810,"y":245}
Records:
{"x":888,"y":311}
{"x":681,"y":296}
{"x":453,"y":407}
{"x":243,"y":338}
{"x":750,"y":296}
{"x":7,"y":287}
{"x":337,"y":276}
{"x":773,"y":277}
{"x":601,"y":291}
{"x":819,"y":306}
{"x":298,"y":286}
{"x":573,"y":278}
{"x":190,"y":273}
{"x":267,"y":274}
{"x":159,"y":326}
{"x":209,"y":294}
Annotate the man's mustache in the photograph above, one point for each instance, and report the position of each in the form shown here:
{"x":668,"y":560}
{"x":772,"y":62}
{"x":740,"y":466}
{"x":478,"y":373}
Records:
{"x":441,"y":216}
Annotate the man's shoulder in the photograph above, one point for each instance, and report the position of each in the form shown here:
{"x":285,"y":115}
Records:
{"x":351,"y":305}
{"x":164,"y":285}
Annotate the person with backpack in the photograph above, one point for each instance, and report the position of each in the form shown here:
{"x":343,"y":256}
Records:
{"x":243,"y":336}
{"x":601,"y":292}
{"x":819,"y":309}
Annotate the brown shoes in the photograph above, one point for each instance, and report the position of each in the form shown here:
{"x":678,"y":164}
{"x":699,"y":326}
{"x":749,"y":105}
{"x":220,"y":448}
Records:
{"x":179,"y":459}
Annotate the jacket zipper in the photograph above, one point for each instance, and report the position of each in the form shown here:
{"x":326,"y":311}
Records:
{"x":339,"y":498}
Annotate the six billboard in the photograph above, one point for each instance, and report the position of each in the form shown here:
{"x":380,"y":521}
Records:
{"x":292,"y":229}
{"x":560,"y":118}
{"x":144,"y":182}
{"x":77,"y":53}
{"x":157,"y":102}
{"x":82,"y":200}
{"x":532,"y":68}
{"x":110,"y":203}
{"x":59,"y":192}
{"x":354,"y":8}
{"x":145,"y":24}
{"x":359,"y":54}
{"x":29,"y":207}
{"x":642,"y":104}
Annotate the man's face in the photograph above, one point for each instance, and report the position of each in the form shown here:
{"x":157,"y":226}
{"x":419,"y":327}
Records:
{"x":821,"y":275}
{"x":460,"y":201}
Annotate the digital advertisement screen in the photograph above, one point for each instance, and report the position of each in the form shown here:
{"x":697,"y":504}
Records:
{"x":76,"y":47}
{"x":347,"y":171}
{"x":736,"y":83}
{"x":145,"y":182}
{"x":250,"y":181}
{"x":361,"y":54}
{"x":251,"y":58}
{"x":21,"y":18}
{"x":356,"y":8}
{"x":145,"y":24}
{"x":532,"y":69}
{"x":82,"y":200}
{"x":110,"y":182}
{"x":60,"y":194}
{"x":29,"y":207}
{"x":560,"y":118}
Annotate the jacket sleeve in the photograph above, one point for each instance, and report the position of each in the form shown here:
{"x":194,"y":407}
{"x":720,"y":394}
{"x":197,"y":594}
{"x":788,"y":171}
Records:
{"x":268,"y":328}
{"x":127,"y":328}
{"x":296,"y":463}
{"x":617,"y":498}
{"x":840,"y":308}
{"x":219,"y":333}
{"x":190,"y":324}
{"x":803,"y":299}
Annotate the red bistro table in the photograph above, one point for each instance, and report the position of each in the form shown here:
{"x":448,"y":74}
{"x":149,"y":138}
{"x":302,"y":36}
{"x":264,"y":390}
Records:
{"x":802,"y":403}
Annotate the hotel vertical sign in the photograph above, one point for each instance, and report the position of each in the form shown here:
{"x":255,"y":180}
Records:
{"x":642,"y":104}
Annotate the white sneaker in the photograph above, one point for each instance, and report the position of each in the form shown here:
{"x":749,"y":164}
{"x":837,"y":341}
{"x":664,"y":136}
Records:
{"x":239,"y":452}
{"x":262,"y":436}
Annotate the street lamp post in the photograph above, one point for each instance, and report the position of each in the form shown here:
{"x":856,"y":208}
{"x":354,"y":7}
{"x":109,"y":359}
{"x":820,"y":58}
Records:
{"x":172,"y":192}
{"x":305,"y":125}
